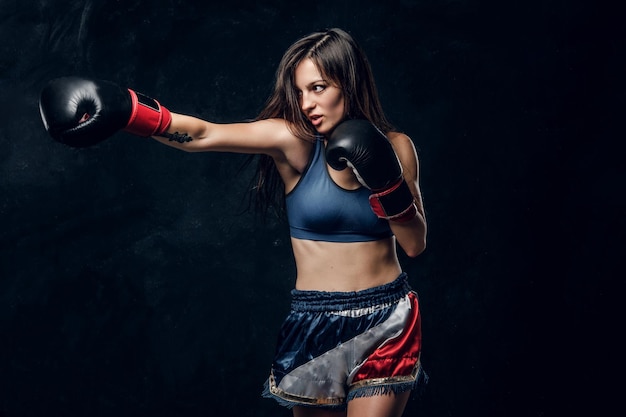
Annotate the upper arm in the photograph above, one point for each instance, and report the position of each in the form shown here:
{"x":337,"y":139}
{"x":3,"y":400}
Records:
{"x":410,"y":235}
{"x":405,"y":149}
{"x":270,"y":137}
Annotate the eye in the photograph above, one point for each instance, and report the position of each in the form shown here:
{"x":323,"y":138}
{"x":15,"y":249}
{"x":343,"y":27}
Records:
{"x":318,"y":88}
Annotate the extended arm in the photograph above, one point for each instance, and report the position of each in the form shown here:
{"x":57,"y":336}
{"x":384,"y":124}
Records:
{"x":80,"y":112}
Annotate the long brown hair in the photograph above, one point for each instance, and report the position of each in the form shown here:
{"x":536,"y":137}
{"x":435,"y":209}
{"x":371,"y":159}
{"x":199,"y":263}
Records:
{"x":344,"y":64}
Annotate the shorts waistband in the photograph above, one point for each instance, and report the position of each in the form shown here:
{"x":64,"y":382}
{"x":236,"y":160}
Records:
{"x":338,"y":301}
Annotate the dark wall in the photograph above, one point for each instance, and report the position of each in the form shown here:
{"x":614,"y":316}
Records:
{"x":133,"y":283}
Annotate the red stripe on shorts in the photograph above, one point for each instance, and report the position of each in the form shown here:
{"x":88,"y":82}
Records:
{"x":398,"y":356}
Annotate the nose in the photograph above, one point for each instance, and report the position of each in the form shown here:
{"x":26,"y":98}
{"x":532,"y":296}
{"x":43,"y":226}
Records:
{"x":306,"y":102}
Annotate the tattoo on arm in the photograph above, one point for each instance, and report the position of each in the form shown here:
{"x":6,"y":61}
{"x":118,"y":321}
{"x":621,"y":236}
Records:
{"x":178,"y":137}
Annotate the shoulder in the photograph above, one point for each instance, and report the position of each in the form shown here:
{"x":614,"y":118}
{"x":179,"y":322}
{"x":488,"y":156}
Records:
{"x":399,"y":139}
{"x":273,"y":137}
{"x":404,"y":147}
{"x":276,"y":129}
{"x":279,"y":131}
{"x":290,"y":153}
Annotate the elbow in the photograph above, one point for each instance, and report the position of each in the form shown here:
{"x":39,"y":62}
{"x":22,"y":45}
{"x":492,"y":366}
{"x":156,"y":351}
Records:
{"x":416,"y":249}
{"x":411,"y":237}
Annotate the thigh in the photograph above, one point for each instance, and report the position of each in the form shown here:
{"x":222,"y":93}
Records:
{"x":391,"y":405}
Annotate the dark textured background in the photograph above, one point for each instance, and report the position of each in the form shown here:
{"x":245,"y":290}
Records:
{"x":131,"y":283}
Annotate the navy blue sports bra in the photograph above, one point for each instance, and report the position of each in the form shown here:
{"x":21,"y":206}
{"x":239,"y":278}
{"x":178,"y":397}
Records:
{"x":318,"y":209}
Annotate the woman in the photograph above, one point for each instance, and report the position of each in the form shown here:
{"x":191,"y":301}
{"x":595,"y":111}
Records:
{"x":351,"y":344}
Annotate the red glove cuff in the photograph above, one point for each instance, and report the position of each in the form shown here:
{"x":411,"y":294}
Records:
{"x":148,"y":117}
{"x":395,"y":203}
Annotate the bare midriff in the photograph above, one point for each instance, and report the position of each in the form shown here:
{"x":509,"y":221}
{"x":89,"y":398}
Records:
{"x":349,"y":266}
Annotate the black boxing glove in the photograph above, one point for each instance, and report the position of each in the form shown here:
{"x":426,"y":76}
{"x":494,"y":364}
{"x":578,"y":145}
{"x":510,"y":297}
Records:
{"x":80,"y":112}
{"x":358,"y":144}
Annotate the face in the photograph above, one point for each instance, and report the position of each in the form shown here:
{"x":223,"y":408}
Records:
{"x":321,"y":102}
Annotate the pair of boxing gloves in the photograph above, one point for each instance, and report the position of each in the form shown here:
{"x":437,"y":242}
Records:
{"x":79,"y":112}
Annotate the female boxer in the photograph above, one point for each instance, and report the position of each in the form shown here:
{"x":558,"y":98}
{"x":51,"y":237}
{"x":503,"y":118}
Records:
{"x":352,"y":341}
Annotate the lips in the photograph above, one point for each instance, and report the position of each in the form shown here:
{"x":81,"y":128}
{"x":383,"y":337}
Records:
{"x":315,"y":119}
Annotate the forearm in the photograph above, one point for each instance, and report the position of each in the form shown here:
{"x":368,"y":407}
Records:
{"x":411,"y":235}
{"x":186,"y":133}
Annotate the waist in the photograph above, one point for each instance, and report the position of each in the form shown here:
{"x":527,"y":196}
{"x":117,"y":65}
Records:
{"x":333,"y":266}
{"x":306,"y":300}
